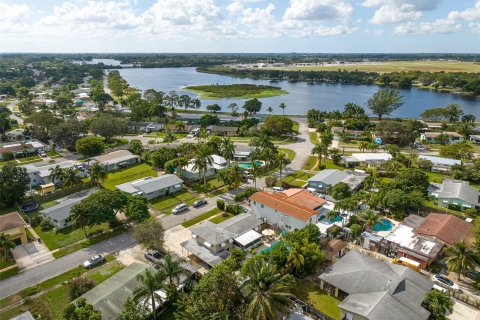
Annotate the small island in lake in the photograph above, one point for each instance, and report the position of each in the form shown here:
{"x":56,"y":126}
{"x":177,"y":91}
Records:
{"x":241,"y":91}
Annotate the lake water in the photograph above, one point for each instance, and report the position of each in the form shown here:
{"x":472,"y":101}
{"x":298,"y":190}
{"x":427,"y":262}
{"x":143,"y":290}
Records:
{"x":301,"y":97}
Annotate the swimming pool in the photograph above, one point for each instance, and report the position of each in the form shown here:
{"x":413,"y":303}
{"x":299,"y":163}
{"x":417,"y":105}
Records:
{"x":383,"y":225}
{"x":324,"y":220}
{"x":248,"y":165}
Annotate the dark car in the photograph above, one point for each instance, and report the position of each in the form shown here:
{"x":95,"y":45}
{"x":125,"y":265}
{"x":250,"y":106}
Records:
{"x":199,"y":203}
{"x":93,"y":261}
{"x":473,"y":274}
{"x":153,"y":256}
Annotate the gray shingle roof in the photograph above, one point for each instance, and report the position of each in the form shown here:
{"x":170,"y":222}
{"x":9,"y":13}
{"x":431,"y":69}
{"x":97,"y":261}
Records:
{"x":331,"y":177}
{"x":377,"y":288}
{"x":459,"y":190}
{"x":149,"y":185}
{"x":61,"y":211}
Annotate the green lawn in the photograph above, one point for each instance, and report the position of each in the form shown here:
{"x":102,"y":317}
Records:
{"x":6,"y":263}
{"x":244,"y":91}
{"x":310,"y":163}
{"x":433,"y":205}
{"x":8,"y":273}
{"x":202,"y":217}
{"x":168,"y":202}
{"x":67,"y":235}
{"x":53,"y":154}
{"x":131,"y":173}
{"x":50,"y":305}
{"x":330,"y":165}
{"x":295,"y":126}
{"x":163,"y":134}
{"x":224,"y":216}
{"x":211,"y":185}
{"x":311,"y":293}
{"x":30,"y":159}
{"x":290,"y":153}
{"x":314,"y":137}
{"x":298,"y":178}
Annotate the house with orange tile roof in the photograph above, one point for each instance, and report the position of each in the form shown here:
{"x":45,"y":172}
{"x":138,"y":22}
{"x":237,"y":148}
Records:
{"x":445,"y":228}
{"x":289,"y":210}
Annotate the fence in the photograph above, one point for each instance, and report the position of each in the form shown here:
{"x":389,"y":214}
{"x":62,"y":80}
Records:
{"x":62,"y":193}
{"x":468,"y":299}
{"x":317,"y":314}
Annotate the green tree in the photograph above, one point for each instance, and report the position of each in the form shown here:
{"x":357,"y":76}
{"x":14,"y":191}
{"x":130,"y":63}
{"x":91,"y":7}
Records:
{"x":356,"y":230}
{"x":150,"y":234}
{"x":267,"y":291}
{"x":41,"y":123}
{"x":14,"y":182}
{"x":454,"y":112}
{"x":173,"y":271}
{"x":341,"y":191}
{"x":147,"y":293}
{"x":135,"y":146}
{"x":133,"y":311}
{"x":232,"y":176}
{"x":214,"y":108}
{"x":6,"y":244}
{"x":295,"y":259}
{"x":108,"y":126}
{"x":460,"y":258}
{"x":78,"y":286}
{"x":321,"y":150}
{"x":90,"y":146}
{"x":136,"y":209}
{"x":81,"y":310}
{"x":283,"y":106}
{"x":169,"y":137}
{"x":369,"y":219}
{"x":439,"y":304}
{"x":56,"y":174}
{"x":278,"y":125}
{"x":384,"y":102}
{"x":98,"y":173}
{"x":203,"y":159}
{"x":227,"y":149}
{"x":66,"y":134}
{"x":255,"y":169}
{"x":270,"y":110}
{"x":252,"y":106}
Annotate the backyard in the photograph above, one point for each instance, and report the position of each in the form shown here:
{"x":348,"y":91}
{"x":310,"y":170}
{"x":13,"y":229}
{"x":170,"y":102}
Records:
{"x":298,"y":178}
{"x":309,"y":292}
{"x":168,"y":202}
{"x":131,"y":173}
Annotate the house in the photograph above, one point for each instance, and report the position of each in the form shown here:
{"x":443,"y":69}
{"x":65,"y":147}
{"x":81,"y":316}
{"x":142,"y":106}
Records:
{"x":329,"y":177}
{"x":210,"y":242}
{"x":144,"y":126}
{"x":375,"y":289}
{"x":454,"y":193}
{"x":440,"y":164}
{"x":13,"y":226}
{"x":242,"y":153}
{"x":191,"y":173}
{"x":386,"y":136}
{"x":341,"y":134}
{"x":445,"y":228}
{"x":117,"y":159}
{"x":222,"y":131}
{"x":109,"y":297}
{"x":152,"y":187}
{"x":336,"y":248}
{"x":367,"y":159}
{"x":22,"y":149}
{"x":41,"y":175}
{"x":475,"y":138}
{"x":406,"y":243}
{"x":451,"y":137}
{"x":15,"y":135}
{"x":292,"y":209}
{"x":59,"y":214}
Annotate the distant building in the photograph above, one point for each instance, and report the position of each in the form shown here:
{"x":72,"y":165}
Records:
{"x":454,"y":193}
{"x":211,"y":242}
{"x":190,"y":173}
{"x":341,"y":134}
{"x":292,"y":209}
{"x":117,"y":160}
{"x":152,"y":187}
{"x":41,"y":175}
{"x":22,"y":149}
{"x":368,"y":159}
{"x":13,"y":226}
{"x":144,"y":126}
{"x":432,"y":137}
{"x":329,"y":177}
{"x":15,"y":134}
{"x":375,"y":289}
{"x":440,"y":164}
{"x":222,"y":131}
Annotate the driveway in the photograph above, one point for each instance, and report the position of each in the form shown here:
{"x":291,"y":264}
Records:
{"x":462,"y":311}
{"x":31,"y":255}
{"x":53,"y":268}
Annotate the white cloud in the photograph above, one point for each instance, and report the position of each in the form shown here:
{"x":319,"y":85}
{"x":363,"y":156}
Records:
{"x":474,"y":27}
{"x":438,"y":26}
{"x":395,"y":11}
{"x":235,"y":7}
{"x":468,"y":14}
{"x":317,"y":10}
{"x":11,"y":19}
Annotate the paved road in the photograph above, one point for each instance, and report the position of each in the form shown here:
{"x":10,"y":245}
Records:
{"x":10,"y":106}
{"x":51,"y":269}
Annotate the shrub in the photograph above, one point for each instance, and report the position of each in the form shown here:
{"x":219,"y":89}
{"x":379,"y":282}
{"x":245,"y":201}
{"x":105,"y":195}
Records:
{"x":234,"y":209}
{"x":424,"y":164}
{"x":472,"y":213}
{"x":46,"y":225}
{"x":35,"y":221}
{"x":321,"y":167}
{"x":245,"y":194}
{"x":270,"y":181}
{"x":221,"y":204}
{"x":78,"y":286}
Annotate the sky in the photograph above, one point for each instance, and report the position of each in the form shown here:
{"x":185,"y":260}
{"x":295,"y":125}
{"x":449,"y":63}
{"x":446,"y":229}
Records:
{"x":317,"y":26}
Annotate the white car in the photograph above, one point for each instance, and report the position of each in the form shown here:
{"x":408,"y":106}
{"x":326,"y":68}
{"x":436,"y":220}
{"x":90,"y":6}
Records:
{"x":180,"y":208}
{"x":93,"y":261}
{"x":443,"y":281}
{"x":278,"y":189}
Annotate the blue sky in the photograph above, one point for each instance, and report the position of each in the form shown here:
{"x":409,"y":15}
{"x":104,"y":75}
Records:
{"x":240,"y":26}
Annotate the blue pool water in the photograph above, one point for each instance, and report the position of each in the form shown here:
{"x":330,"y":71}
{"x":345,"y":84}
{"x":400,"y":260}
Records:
{"x":324,"y":220}
{"x":248,"y":165}
{"x":384,"y":225}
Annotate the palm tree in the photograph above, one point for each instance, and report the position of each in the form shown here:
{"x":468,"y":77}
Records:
{"x":56,"y":173}
{"x":282,"y":106}
{"x":280,"y":159}
{"x":362,"y":146}
{"x":270,"y":110}
{"x":70,"y":177}
{"x":227,"y":149}
{"x":331,"y":215}
{"x":169,"y":137}
{"x":180,"y":125}
{"x":151,"y":282}
{"x":438,"y":303}
{"x":195,"y":103}
{"x":320,"y":150}
{"x":173,"y":270}
{"x":203,"y":158}
{"x":180,"y":163}
{"x":369,"y":219}
{"x":98,"y":174}
{"x":460,"y":258}
{"x":295,"y":259}
{"x":6,"y":244}
{"x":255,"y":171}
{"x":267,"y":290}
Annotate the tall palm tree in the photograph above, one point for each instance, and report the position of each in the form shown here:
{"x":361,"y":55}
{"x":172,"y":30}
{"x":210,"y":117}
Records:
{"x":173,"y":270}
{"x":151,"y":282}
{"x":283,"y":106}
{"x":56,"y":173}
{"x":227,"y":149}
{"x":70,"y":177}
{"x":267,"y":290}
{"x":270,"y":110}
{"x":255,"y":168}
{"x":6,"y":244}
{"x":320,"y":150}
{"x":180,"y":163}
{"x":203,"y":158}
{"x":180,"y":126}
{"x":362,"y":146}
{"x":369,"y":219}
{"x":280,"y":159}
{"x":98,"y":174}
{"x":460,"y":258}
{"x":295,"y":259}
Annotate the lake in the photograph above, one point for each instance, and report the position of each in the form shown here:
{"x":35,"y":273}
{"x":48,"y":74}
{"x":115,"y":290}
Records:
{"x":301,"y":97}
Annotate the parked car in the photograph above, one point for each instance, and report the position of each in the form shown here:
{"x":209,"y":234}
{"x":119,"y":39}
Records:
{"x":153,"y":256}
{"x":180,"y":208}
{"x":278,"y":189}
{"x":445,"y":282}
{"x":93,"y":261}
{"x":42,"y":154}
{"x":473,"y":274}
{"x":199,"y":203}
